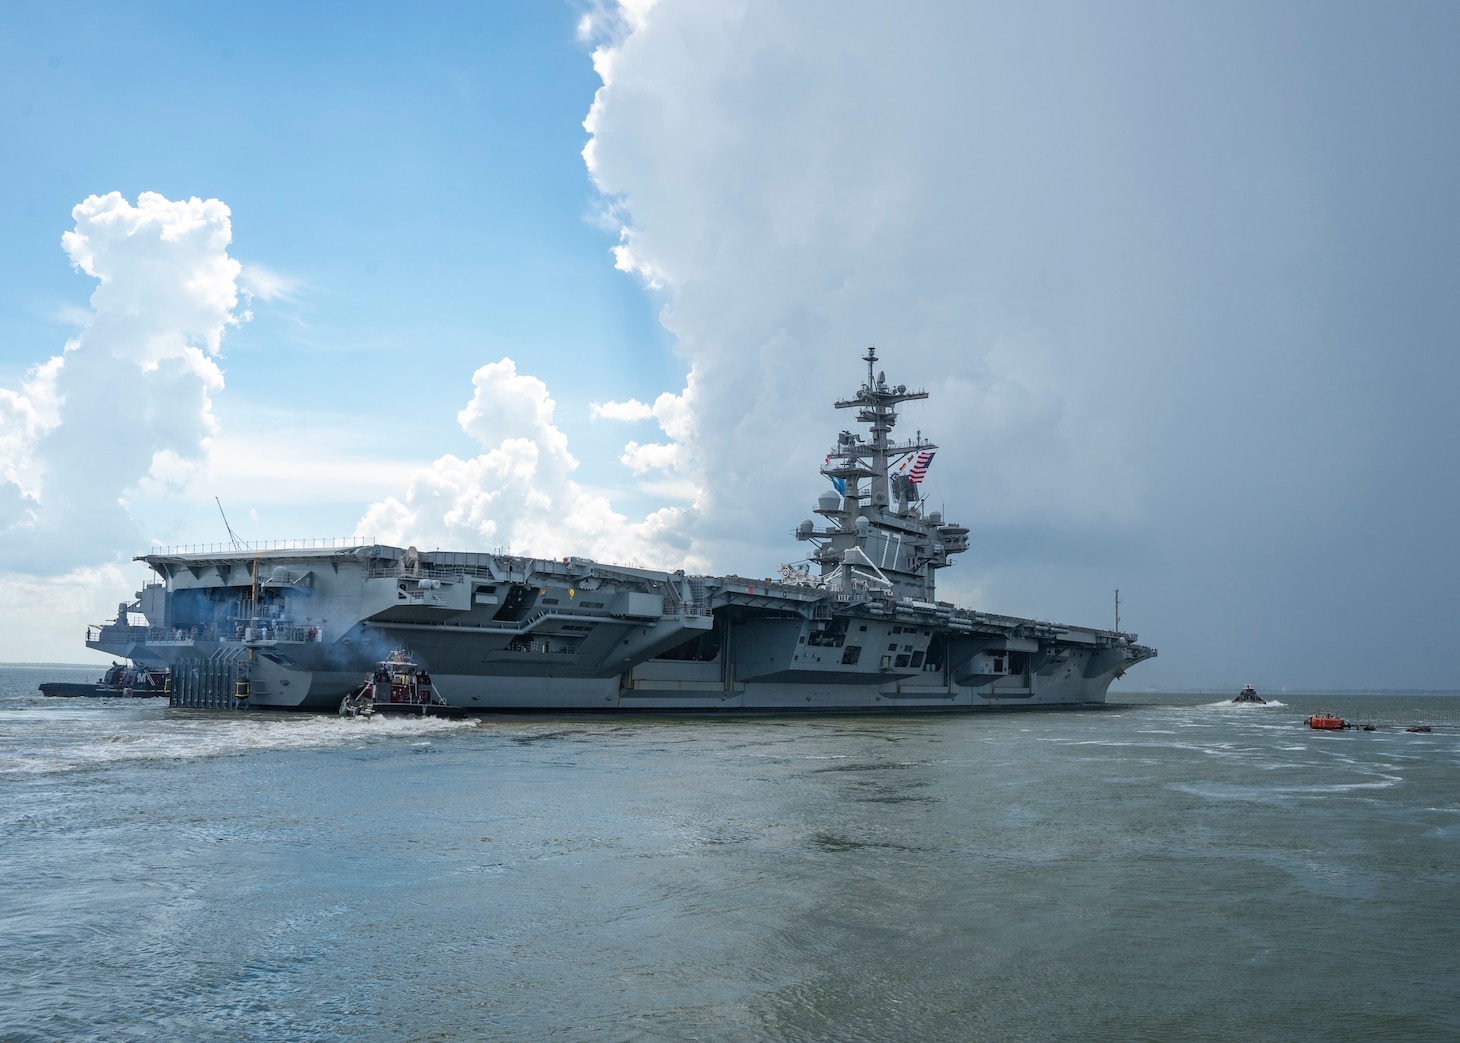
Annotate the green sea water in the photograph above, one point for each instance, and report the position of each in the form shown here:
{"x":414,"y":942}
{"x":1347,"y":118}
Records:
{"x":1173,"y":868}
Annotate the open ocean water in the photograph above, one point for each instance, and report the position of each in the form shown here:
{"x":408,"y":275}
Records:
{"x":1168,"y":869}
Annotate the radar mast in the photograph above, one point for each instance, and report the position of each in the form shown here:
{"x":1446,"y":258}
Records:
{"x":879,"y":539}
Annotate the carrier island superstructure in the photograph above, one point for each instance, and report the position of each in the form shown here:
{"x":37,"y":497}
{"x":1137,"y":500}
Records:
{"x":296,"y":627}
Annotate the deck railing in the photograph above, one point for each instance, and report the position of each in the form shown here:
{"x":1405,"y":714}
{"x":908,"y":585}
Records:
{"x":263,"y":546}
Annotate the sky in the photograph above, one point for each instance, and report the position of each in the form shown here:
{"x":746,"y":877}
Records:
{"x":584,"y":278}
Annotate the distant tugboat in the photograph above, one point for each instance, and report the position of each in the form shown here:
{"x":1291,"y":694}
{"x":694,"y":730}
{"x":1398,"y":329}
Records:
{"x":1249,"y":695}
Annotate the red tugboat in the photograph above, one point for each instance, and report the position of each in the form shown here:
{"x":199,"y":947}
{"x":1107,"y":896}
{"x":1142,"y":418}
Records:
{"x":1327,"y":722}
{"x":397,"y":685}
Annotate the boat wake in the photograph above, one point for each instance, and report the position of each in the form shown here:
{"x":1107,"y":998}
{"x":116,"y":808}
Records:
{"x":1226,"y":791}
{"x":1230,"y":705}
{"x":203,"y":736}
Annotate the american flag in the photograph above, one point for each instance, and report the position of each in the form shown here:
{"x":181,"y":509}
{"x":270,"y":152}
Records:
{"x":839,"y":484}
{"x":920,"y":467}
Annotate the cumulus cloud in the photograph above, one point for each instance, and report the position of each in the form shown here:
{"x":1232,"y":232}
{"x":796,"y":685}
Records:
{"x":809,"y":179}
{"x":675,"y":416}
{"x":631,"y":410}
{"x":126,"y":407}
{"x":798,"y":178}
{"x":518,"y":494}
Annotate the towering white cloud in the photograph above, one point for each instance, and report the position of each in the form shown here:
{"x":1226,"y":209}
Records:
{"x":127,"y":403}
{"x":519,"y":494}
{"x":808,"y":179}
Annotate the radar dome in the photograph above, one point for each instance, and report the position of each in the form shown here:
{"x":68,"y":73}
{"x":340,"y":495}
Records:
{"x":863,"y":526}
{"x":828,"y":501}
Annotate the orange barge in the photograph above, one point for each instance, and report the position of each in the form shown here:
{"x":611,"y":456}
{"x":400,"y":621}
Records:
{"x":1327,"y":722}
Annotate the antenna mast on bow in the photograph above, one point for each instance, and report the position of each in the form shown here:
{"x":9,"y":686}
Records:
{"x":232,"y":536}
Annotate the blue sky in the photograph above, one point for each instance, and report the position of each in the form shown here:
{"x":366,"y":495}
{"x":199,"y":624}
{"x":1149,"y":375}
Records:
{"x":416,"y":180}
{"x":1180,"y":279}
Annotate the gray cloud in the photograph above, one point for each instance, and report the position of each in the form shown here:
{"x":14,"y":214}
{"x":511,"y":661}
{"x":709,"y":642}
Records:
{"x":1178,"y":277}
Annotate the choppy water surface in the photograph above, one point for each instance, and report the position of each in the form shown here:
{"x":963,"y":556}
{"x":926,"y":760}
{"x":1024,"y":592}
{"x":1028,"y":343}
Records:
{"x":1172,"y":869}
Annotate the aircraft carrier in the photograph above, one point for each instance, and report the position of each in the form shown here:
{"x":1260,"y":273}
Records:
{"x":855,"y":628}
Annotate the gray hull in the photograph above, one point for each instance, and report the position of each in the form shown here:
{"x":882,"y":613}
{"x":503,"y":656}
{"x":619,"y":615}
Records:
{"x":512,"y":634}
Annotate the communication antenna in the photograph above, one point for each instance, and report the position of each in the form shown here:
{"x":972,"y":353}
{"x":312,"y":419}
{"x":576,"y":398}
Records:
{"x":232,"y":536}
{"x":1117,"y":610}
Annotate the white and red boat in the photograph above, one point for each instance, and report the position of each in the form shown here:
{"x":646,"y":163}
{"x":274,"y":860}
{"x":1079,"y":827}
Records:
{"x":397,"y":685}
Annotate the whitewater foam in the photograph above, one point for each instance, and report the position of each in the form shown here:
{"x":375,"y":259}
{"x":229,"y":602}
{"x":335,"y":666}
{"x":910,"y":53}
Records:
{"x":97,"y":741}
